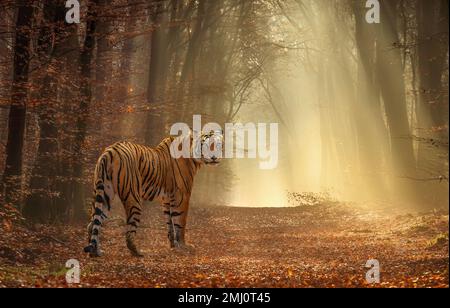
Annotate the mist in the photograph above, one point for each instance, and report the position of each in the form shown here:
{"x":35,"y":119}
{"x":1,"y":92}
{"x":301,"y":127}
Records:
{"x":333,"y":119}
{"x":329,"y":79}
{"x":360,"y":106}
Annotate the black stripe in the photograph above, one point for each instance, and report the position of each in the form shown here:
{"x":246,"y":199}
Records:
{"x":131,"y":217}
{"x":181,"y":175}
{"x":135,"y":208}
{"x":181,"y":201}
{"x":125,"y":183}
{"x":128,"y":194}
{"x":145,"y":178}
{"x":118,"y":176}
{"x":107,"y":202}
{"x":109,"y":177}
{"x":134,"y":224}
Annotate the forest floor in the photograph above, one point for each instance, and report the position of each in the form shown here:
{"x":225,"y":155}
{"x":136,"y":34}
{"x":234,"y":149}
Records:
{"x":317,"y":246}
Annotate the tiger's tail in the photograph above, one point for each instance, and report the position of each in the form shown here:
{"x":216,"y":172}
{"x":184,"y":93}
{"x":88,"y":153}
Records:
{"x":102,"y":197}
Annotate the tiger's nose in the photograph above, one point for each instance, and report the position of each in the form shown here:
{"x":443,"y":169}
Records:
{"x":214,"y":158}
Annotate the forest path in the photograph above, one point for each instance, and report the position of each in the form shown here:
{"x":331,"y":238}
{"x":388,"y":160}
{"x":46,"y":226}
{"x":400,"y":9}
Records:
{"x":317,"y":246}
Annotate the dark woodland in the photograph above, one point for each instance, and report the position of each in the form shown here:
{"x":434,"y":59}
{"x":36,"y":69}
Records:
{"x":363,"y":120}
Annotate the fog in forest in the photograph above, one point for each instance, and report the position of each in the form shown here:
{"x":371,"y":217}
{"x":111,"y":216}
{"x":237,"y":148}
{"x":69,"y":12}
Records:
{"x":322,"y":79}
{"x":332,"y":115}
{"x":362,"y":108}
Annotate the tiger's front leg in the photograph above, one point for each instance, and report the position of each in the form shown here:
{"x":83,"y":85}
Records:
{"x":168,"y":219}
{"x":178,"y":215}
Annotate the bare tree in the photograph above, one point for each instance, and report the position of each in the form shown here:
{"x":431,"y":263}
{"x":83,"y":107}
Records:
{"x":12,"y":176}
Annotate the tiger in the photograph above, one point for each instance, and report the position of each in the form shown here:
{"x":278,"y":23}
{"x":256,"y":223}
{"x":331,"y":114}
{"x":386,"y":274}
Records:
{"x":136,"y":173}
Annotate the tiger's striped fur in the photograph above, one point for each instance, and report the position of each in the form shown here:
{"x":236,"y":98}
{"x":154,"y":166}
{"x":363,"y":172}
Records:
{"x":137,"y":173}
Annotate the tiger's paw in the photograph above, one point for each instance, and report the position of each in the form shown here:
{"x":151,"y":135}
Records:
{"x":137,"y":253}
{"x":183,"y":248}
{"x":133,"y":249}
{"x":93,"y":251}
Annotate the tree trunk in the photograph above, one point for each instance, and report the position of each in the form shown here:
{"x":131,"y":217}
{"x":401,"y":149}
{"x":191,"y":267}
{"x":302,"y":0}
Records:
{"x":12,"y":176}
{"x":103,"y":65}
{"x":42,"y":203}
{"x":156,"y":76}
{"x":432,"y":21}
{"x":126,"y":59}
{"x":370,"y":129}
{"x":392,"y":86}
{"x":86,"y":97}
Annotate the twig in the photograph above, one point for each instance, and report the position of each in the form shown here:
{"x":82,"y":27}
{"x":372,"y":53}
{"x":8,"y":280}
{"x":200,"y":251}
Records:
{"x":54,"y":239}
{"x":440,"y":179}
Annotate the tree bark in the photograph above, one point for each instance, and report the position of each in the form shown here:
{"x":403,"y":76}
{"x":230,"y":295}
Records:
{"x":12,"y":176}
{"x":86,"y":57}
{"x":392,"y":86}
{"x":42,"y":203}
{"x":103,"y":65}
{"x":432,"y":113}
{"x":156,"y":76}
{"x":370,"y":129}
{"x":68,"y":112}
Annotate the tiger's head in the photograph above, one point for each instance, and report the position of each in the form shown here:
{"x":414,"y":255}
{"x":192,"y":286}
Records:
{"x":207,"y":147}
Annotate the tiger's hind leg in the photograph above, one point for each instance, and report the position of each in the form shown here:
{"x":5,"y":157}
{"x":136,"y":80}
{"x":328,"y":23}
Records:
{"x":100,"y":211}
{"x":133,"y":211}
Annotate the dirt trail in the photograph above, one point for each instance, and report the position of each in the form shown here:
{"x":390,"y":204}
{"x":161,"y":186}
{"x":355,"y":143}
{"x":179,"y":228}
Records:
{"x":319,"y":246}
